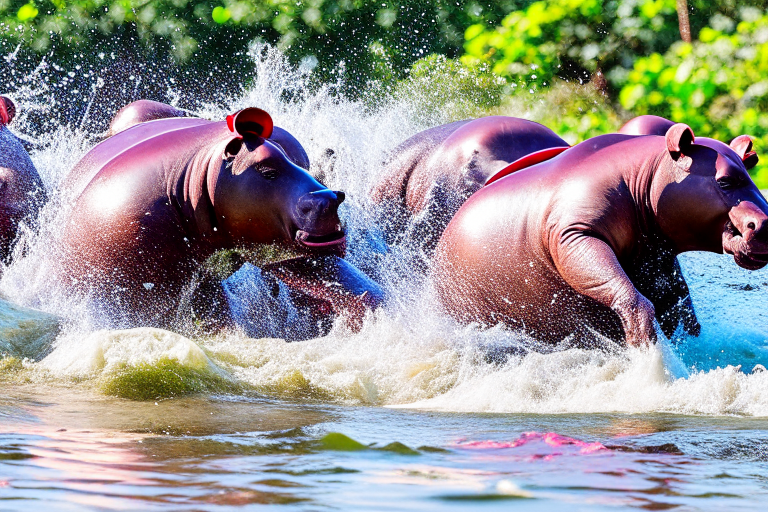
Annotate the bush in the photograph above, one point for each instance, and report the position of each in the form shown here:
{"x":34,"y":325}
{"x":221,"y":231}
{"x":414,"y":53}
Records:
{"x":718,"y":85}
{"x":571,"y":39}
{"x":576,"y":39}
{"x":573,"y":111}
{"x":447,"y":90}
{"x":375,"y":38}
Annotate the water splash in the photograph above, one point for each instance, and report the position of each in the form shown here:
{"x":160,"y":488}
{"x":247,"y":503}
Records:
{"x":409,"y":354}
{"x":261,"y":306}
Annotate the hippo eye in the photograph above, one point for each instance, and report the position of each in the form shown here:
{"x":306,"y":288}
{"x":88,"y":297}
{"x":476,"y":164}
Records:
{"x":728,"y":182}
{"x":268,"y":172}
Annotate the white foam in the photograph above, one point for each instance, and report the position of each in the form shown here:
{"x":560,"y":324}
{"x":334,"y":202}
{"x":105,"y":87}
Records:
{"x":105,"y":351}
{"x":435,"y":365}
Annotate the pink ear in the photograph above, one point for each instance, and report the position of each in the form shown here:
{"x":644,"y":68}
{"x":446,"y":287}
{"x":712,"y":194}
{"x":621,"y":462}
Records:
{"x":742,"y":145}
{"x":679,"y":139}
{"x":5,"y":116}
{"x":250,"y":121}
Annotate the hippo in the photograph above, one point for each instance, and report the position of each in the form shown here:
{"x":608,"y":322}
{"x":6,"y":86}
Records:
{"x":21,"y":189}
{"x":430,"y":175}
{"x":142,"y":111}
{"x":166,"y":194}
{"x":586,"y":242}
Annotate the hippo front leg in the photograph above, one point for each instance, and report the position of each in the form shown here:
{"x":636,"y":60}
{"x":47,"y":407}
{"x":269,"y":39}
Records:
{"x":664,"y":285}
{"x":591,"y":268}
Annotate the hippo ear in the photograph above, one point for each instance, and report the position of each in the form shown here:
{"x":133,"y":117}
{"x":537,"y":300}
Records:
{"x":7,"y":110}
{"x":679,"y":141}
{"x":250,"y":122}
{"x":232,"y":149}
{"x":742,"y":145}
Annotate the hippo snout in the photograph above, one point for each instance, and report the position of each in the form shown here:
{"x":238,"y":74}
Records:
{"x":746,"y":235}
{"x":317,"y":217}
{"x":319,"y":204}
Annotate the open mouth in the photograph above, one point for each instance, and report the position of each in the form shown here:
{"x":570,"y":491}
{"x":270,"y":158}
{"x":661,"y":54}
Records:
{"x":335,"y":239}
{"x":735,"y":245}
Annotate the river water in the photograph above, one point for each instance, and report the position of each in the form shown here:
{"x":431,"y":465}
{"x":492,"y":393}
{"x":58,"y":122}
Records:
{"x":412,"y":412}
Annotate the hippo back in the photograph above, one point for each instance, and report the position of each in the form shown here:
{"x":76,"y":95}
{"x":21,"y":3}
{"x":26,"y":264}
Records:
{"x":141,"y":111}
{"x":115,"y":146}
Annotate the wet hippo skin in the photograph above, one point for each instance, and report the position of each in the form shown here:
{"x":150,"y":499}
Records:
{"x":589,"y":239}
{"x":166,"y":194}
{"x":430,"y":175}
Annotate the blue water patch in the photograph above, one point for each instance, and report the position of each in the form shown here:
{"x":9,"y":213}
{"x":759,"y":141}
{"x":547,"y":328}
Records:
{"x":730,"y":304}
{"x":721,"y":344}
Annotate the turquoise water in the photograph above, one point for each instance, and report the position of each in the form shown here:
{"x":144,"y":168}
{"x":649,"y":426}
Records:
{"x":412,"y":412}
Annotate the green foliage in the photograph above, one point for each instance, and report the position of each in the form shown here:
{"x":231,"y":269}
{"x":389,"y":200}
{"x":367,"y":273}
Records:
{"x":374,"y":38}
{"x":574,"y":39}
{"x":718,"y":85}
{"x":165,"y":378}
{"x":448,"y":90}
{"x":575,"y":112}
{"x":571,"y":39}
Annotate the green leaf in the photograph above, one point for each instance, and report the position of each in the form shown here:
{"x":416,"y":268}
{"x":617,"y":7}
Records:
{"x":27,"y":12}
{"x":221,"y":15}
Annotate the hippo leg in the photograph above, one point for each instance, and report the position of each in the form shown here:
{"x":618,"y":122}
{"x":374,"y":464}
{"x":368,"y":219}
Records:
{"x":329,"y":279}
{"x":202,"y":306}
{"x":676,"y":305}
{"x":664,"y":285}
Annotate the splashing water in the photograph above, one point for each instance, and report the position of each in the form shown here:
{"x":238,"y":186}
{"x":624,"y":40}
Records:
{"x":407,"y":354}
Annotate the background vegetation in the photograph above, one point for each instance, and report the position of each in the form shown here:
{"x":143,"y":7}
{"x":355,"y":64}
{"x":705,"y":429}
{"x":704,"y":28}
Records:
{"x":581,"y":66}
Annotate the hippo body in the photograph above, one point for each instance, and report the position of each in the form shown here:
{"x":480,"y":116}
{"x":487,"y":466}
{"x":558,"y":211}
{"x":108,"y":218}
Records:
{"x":588,"y":241}
{"x":161,"y":197}
{"x":431,"y":174}
{"x":21,"y":189}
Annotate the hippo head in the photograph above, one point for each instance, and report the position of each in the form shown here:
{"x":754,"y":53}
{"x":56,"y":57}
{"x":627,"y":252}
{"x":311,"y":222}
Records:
{"x":708,"y":200}
{"x":260,"y":196}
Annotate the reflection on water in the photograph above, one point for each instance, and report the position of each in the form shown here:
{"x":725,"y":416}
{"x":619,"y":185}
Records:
{"x":86,"y":452}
